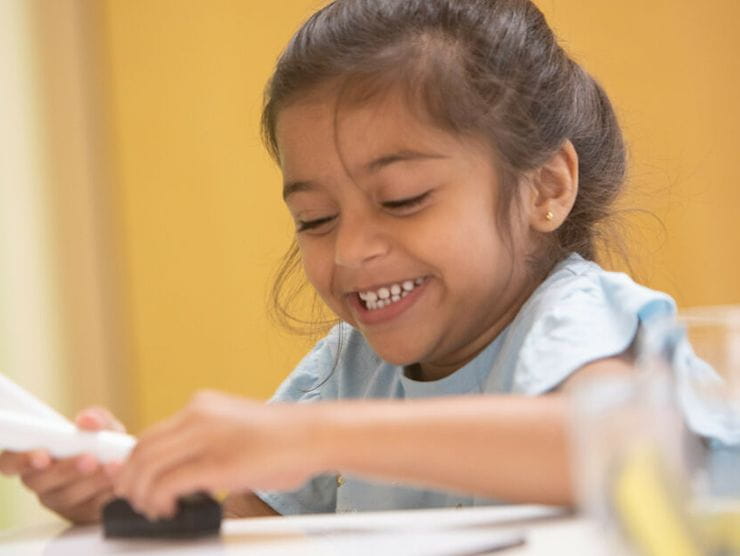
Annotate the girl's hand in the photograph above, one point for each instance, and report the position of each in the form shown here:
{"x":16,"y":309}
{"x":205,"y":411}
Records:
{"x":218,"y":442}
{"x":75,"y":488}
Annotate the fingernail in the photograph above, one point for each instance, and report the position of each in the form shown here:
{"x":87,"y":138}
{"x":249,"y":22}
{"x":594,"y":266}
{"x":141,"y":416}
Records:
{"x":112,"y":469}
{"x":87,"y":464}
{"x":90,"y":420}
{"x":40,"y":460}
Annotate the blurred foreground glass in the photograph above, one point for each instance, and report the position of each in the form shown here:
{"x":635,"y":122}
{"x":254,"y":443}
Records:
{"x":630,"y":468}
{"x":714,"y":333}
{"x":652,"y":486}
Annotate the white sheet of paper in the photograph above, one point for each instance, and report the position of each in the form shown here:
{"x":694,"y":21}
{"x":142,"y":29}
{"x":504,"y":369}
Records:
{"x":403,"y":520}
{"x":443,"y":532}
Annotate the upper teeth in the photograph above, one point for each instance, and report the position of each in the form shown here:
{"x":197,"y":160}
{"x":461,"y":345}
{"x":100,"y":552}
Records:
{"x":388,"y":294}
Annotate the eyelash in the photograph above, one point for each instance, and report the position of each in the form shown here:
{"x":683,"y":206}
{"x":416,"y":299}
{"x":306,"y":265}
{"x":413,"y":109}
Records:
{"x":408,"y":203}
{"x":306,"y":225}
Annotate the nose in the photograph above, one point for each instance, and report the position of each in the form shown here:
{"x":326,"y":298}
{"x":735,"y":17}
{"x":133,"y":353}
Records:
{"x":359,"y":241}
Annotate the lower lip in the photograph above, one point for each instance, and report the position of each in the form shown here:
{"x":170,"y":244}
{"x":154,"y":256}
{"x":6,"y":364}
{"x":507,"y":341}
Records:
{"x":387,"y":313}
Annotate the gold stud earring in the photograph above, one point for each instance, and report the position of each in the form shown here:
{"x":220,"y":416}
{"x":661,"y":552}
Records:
{"x":549,"y":216}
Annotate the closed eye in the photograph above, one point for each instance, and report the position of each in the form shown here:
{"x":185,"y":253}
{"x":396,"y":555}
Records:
{"x":306,"y":225}
{"x":407,"y":203}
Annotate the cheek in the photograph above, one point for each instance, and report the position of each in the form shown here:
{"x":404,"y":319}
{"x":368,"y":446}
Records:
{"x":317,"y":265}
{"x":468,"y":235}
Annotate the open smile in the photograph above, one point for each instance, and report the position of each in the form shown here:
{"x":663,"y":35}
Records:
{"x":386,"y":302}
{"x":387,"y":295}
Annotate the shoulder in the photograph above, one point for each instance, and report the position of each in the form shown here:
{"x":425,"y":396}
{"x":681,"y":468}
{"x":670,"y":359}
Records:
{"x":580,"y":293}
{"x":579,"y":314}
{"x":324,"y":371}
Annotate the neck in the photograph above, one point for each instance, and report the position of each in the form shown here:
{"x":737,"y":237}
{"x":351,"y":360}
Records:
{"x":443,"y":367}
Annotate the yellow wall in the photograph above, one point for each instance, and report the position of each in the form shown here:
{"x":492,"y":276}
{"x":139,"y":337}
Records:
{"x":202,"y":220}
{"x":672,"y":69}
{"x":203,"y":224}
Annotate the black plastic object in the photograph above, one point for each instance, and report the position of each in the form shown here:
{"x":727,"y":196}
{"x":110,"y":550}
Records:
{"x":197,"y":515}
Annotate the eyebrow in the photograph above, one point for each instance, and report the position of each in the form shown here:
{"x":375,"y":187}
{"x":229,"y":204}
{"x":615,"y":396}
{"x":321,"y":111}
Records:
{"x":295,"y":187}
{"x":374,"y":166}
{"x":386,"y":160}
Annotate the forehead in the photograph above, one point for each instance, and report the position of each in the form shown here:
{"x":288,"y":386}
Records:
{"x":324,"y":126}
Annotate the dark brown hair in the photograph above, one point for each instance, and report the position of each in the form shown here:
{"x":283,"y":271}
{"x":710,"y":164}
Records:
{"x":484,"y":68}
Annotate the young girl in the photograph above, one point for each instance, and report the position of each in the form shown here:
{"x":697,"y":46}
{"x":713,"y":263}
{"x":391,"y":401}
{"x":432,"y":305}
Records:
{"x":447,"y":165}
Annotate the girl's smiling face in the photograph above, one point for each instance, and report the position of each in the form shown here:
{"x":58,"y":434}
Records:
{"x":397,"y":227}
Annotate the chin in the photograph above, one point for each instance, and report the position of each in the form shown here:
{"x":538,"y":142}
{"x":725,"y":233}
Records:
{"x":397,"y":348}
{"x":400,"y":357}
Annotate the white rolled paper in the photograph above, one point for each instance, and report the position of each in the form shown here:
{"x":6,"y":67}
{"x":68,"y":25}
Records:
{"x":21,"y":433}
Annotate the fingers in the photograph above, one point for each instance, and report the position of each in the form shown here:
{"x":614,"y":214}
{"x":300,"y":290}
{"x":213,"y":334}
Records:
{"x":151,"y":460}
{"x":12,"y":463}
{"x":144,"y":473}
{"x":93,"y":507}
{"x":200,"y":448}
{"x":17,"y":463}
{"x":92,"y":419}
{"x":39,"y":460}
{"x":87,"y":511}
{"x":161,"y":430}
{"x":75,"y":488}
{"x":163,"y":445}
{"x":113,"y":469}
{"x":59,"y":474}
{"x":97,"y":418}
{"x":77,"y":493}
{"x":187,"y":478}
{"x":86,"y":463}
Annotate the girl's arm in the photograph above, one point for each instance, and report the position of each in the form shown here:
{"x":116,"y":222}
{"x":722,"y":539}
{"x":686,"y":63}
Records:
{"x":507,"y":447}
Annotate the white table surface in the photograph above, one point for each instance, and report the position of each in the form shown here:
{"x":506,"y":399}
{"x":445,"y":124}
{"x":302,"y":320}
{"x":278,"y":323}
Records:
{"x":446,"y":532}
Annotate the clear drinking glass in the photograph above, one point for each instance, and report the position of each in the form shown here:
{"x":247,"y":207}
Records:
{"x":632,"y":452}
{"x":714,"y":333}
{"x":657,"y":452}
{"x":628,"y":463}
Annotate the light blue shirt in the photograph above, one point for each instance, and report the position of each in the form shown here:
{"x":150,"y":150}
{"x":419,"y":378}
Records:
{"x":579,"y":314}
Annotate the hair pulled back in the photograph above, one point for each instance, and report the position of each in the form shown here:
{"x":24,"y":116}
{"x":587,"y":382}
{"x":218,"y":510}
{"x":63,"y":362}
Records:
{"x":485,"y":68}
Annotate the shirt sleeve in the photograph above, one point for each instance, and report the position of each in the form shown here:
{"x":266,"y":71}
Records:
{"x":717,"y":422}
{"x":582,"y":314}
{"x":311,"y":381}
{"x":578,"y":316}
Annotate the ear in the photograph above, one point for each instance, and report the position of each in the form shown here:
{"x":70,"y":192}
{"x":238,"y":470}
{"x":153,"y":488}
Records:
{"x":554,"y":189}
